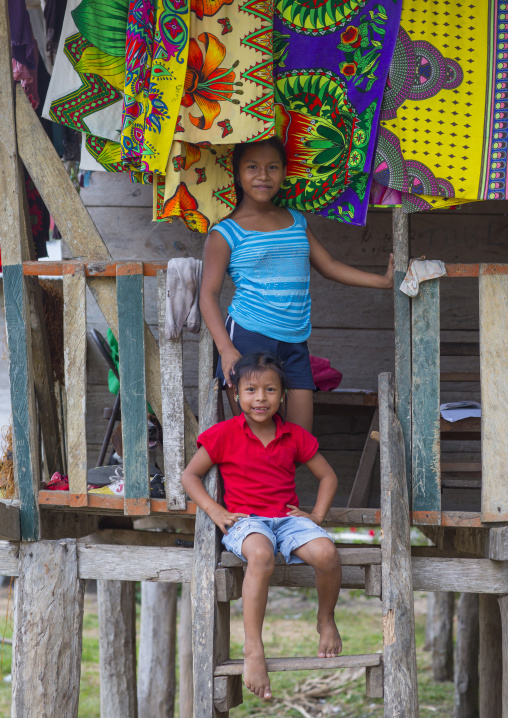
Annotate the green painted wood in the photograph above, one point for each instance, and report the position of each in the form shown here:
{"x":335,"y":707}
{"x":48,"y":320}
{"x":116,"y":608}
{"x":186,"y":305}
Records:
{"x":425,"y":399}
{"x":21,"y":390}
{"x":131,"y":346}
{"x":402,"y":326}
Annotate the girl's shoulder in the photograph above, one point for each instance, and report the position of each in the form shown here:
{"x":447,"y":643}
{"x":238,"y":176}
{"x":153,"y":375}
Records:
{"x":230,"y":230}
{"x":298,"y":217}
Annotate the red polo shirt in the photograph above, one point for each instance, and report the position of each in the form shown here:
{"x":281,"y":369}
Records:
{"x":257,"y":479}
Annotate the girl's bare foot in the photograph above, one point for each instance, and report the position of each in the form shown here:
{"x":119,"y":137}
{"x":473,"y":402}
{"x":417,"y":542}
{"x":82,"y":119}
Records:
{"x":330,"y":642}
{"x":255,"y":674}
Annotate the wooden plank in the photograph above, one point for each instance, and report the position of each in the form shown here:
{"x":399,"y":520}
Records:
{"x":373,"y":581}
{"x":9,"y":558}
{"x":348,"y":557}
{"x":135,"y":563}
{"x":186,"y":683}
{"x":490,"y":666}
{"x":74,"y":287}
{"x":126,"y":537}
{"x":48,"y":593}
{"x":131,"y":347}
{"x":402,"y":325}
{"x":463,"y":575}
{"x":503,"y":607}
{"x":494,"y":389}
{"x":109,"y":504}
{"x":10,"y":527}
{"x":274,"y":665}
{"x":466,"y":657}
{"x":173,"y":404}
{"x":498,"y":543}
{"x":116,"y":603}
{"x":399,"y":656}
{"x":374,"y":679}
{"x":426,"y":477}
{"x":361,"y":488}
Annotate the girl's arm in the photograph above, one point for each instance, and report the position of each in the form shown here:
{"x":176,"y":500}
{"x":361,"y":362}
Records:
{"x":328,"y":483}
{"x":216,"y":262}
{"x":331,"y":268}
{"x":191,"y":482}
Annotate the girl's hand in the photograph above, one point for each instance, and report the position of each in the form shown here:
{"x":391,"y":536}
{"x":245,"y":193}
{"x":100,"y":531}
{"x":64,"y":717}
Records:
{"x":389,"y":273}
{"x":224,"y":519}
{"x":295,"y":511}
{"x":228,"y":358}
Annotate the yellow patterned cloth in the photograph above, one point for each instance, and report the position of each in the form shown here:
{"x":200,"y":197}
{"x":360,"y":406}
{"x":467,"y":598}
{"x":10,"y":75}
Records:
{"x":442,"y":139}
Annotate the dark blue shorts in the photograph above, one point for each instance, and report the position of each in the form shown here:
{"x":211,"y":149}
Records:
{"x":295,"y":356}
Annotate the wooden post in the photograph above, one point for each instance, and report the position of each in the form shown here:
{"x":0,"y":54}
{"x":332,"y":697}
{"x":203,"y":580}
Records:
{"x":24,"y":438}
{"x":503,"y":606}
{"x":48,"y":631}
{"x":117,"y":647}
{"x":466,"y":657}
{"x":156,"y":672}
{"x":402,"y":325}
{"x":429,"y":622}
{"x":131,"y":349}
{"x":400,"y":680}
{"x":491,"y":657}
{"x":75,"y":379}
{"x":185,"y":687}
{"x":494,"y":388}
{"x":442,"y":636}
{"x":173,"y":404}
{"x":425,"y":405}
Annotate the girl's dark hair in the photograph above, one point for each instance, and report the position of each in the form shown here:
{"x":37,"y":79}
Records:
{"x":239,"y":152}
{"x":256,"y":363}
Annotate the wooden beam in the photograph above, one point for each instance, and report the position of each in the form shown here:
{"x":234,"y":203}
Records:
{"x":401,"y":696}
{"x":498,"y":543}
{"x":127,"y":537}
{"x":490,"y":667}
{"x":116,"y":602}
{"x":425,"y":449}
{"x":494,"y":390}
{"x":173,"y":404}
{"x":359,"y":495}
{"x":402,"y":326}
{"x":74,"y":287}
{"x":466,"y":657}
{"x":135,"y":563}
{"x":48,"y":594}
{"x":274,"y":665}
{"x":186,"y":683}
{"x":348,"y":557}
{"x":10,"y":527}
{"x":131,"y":351}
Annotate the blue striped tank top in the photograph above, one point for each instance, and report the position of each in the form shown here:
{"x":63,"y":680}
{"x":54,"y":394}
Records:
{"x":270,"y":271}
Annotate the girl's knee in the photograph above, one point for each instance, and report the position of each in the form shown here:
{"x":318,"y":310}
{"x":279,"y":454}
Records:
{"x":327,"y":557}
{"x":260,"y":557}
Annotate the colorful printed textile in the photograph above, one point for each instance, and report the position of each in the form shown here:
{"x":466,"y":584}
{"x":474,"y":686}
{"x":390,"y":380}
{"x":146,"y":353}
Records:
{"x":331,"y":65}
{"x":443,"y":135}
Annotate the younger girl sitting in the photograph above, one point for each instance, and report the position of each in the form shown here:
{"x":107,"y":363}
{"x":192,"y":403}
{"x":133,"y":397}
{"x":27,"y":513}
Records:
{"x":257,"y":452}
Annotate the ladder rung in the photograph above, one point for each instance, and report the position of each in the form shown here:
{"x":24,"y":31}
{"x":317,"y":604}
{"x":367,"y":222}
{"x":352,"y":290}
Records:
{"x":348,"y":557}
{"x":273,"y":665}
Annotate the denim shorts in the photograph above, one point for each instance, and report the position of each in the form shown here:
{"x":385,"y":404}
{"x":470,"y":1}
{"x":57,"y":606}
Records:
{"x":286,"y":534}
{"x":295,"y":356}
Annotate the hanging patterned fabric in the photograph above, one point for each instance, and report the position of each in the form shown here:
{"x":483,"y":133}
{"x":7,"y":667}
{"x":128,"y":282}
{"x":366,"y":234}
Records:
{"x":444,"y":121}
{"x":331,"y":65}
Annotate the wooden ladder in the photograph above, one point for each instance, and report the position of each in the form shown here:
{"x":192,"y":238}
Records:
{"x":383,"y":572}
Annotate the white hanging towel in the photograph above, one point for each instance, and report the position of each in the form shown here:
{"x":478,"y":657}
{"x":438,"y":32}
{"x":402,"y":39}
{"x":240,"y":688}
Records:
{"x":420,"y":270}
{"x":182,"y":296}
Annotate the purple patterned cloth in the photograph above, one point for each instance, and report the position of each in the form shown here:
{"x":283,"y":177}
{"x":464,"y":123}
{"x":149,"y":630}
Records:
{"x":330,"y":69}
{"x":22,"y":41}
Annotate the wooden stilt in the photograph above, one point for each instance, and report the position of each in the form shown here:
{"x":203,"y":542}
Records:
{"x":185,"y":687}
{"x":117,"y":645}
{"x":491,"y":657}
{"x":156,"y":672}
{"x":442,"y":636}
{"x":429,"y":625}
{"x":503,"y":607}
{"x":400,"y":681}
{"x":466,"y":657}
{"x":48,"y":631}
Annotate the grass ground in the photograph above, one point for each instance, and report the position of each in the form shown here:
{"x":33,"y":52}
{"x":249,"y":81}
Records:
{"x":289,"y":631}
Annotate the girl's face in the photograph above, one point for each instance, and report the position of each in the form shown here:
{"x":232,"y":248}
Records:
{"x":261,"y":172}
{"x":260,"y":395}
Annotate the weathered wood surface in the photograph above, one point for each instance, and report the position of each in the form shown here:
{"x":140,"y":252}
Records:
{"x":127,"y":537}
{"x":185,"y":684}
{"x":425,"y":449}
{"x":466,"y":657}
{"x":74,"y":287}
{"x":498,"y":543}
{"x":402,"y":325}
{"x":490,"y":666}
{"x":131,"y":347}
{"x":10,"y":528}
{"x":348,"y":557}
{"x":157,"y":651}
{"x":494,"y":384}
{"x":235,"y":666}
{"x":116,"y":603}
{"x":9,"y":558}
{"x":374,"y":679}
{"x":359,"y":495}
{"x":46,"y":663}
{"x":503,"y":607}
{"x":173,"y":404}
{"x":429,"y":622}
{"x":135,"y":563}
{"x":442,"y":636}
{"x":373,"y":581}
{"x":400,"y":678}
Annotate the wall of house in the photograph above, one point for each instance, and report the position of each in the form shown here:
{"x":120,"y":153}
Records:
{"x":352,"y":327}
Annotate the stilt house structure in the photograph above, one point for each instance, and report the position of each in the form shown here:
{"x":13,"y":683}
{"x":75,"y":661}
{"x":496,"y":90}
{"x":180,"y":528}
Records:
{"x":54,"y":541}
